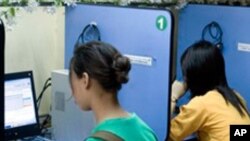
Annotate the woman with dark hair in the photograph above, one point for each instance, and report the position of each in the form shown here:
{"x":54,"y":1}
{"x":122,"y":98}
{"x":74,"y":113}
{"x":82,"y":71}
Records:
{"x":97,"y":72}
{"x":214,"y":106}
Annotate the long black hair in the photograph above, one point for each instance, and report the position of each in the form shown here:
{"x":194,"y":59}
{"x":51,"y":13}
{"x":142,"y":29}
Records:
{"x":203,"y":68}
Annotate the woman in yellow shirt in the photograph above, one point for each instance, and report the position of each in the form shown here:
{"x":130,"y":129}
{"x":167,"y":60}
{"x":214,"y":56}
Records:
{"x":214,"y":106}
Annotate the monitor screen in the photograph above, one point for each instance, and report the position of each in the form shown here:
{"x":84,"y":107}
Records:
{"x":20,"y":117}
{"x":19,"y":103}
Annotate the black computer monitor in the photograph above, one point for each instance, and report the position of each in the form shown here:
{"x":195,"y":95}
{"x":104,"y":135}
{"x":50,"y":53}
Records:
{"x":20,"y":109}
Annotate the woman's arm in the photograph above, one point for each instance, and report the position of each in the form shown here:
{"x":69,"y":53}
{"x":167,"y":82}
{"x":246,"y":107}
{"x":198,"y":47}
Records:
{"x":178,"y":90}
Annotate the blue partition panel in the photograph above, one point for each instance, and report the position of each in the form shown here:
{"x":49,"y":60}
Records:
{"x":235,"y":23}
{"x":144,"y":35}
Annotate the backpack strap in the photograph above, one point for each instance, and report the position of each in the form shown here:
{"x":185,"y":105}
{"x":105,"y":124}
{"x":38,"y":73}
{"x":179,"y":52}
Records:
{"x":106,"y":136}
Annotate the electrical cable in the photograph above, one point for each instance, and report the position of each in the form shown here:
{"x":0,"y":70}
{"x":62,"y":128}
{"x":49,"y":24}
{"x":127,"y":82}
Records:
{"x":46,"y":85}
{"x":42,"y":93}
{"x":46,"y":121}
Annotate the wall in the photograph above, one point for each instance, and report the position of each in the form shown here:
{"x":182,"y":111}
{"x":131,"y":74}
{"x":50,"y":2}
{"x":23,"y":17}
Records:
{"x":36,"y":43}
{"x":234,"y":22}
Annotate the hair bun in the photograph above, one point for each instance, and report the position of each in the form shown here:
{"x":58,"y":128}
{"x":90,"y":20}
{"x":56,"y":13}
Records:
{"x":121,"y":65}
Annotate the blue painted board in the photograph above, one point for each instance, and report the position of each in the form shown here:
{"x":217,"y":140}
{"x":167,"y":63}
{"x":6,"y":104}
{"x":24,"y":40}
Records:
{"x":134,"y":32}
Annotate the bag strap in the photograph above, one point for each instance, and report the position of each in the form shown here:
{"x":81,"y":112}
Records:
{"x":106,"y":135}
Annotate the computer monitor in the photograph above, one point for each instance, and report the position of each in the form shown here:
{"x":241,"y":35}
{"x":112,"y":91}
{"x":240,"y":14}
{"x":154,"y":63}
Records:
{"x":20,"y":109}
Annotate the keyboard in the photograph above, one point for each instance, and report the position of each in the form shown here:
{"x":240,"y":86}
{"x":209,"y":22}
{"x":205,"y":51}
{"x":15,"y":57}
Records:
{"x":35,"y":138}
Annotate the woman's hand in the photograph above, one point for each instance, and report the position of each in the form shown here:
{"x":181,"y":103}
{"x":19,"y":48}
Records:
{"x":178,"y":89}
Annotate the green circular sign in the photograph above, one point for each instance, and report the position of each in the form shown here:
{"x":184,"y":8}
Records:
{"x":161,"y":23}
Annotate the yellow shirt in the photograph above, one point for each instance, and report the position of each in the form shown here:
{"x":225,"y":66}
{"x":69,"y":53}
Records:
{"x":209,"y":116}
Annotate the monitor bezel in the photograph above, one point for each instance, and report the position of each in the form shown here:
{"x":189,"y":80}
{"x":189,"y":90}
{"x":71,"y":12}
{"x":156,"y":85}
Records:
{"x":26,"y":130}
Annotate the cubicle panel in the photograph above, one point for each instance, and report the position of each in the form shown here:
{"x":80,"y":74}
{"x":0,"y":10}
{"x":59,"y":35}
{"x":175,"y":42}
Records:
{"x":234,"y":22}
{"x":144,"y":35}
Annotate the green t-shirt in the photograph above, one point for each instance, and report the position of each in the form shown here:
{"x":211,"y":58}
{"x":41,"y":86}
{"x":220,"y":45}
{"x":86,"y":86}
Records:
{"x":130,"y":128}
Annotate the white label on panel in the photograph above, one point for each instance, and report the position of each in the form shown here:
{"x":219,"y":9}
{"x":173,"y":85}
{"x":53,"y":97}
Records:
{"x":244,"y":47}
{"x":141,"y":60}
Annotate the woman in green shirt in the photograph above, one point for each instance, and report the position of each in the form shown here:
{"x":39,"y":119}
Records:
{"x":97,"y":72}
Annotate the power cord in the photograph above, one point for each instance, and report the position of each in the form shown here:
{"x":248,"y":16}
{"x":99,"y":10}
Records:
{"x":46,"y":121}
{"x":46,"y":85}
{"x":45,"y":126}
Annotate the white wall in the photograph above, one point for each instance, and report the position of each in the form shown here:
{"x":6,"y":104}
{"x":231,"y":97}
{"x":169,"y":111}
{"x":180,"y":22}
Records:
{"x":36,"y":43}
